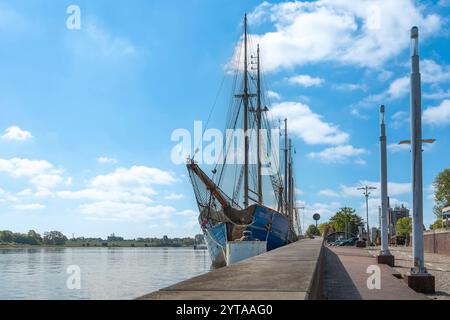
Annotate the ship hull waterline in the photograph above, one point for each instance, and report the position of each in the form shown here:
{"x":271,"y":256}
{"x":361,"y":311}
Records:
{"x":267,"y":225}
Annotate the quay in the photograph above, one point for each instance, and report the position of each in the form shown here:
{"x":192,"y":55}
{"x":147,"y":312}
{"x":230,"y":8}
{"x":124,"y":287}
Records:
{"x":305,"y":270}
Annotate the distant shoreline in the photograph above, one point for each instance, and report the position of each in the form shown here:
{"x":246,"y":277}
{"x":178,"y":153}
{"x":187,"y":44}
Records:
{"x":90,"y":245}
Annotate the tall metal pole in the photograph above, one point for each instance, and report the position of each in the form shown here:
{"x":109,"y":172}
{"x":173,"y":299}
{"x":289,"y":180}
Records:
{"x":384,"y":187}
{"x":245,"y":96}
{"x":366,"y":193}
{"x":367,"y":215}
{"x":416,"y":146}
{"x":286,"y":178}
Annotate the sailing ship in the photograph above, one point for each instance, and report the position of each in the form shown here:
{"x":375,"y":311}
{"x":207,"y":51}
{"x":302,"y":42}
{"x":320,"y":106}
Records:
{"x":228,"y":215}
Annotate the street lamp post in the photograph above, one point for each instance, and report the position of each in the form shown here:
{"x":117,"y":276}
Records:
{"x":366,"y":193}
{"x":385,"y":256}
{"x":418,"y":279}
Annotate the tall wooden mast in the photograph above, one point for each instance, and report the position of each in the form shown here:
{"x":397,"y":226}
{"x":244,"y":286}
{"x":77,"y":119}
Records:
{"x":246,"y":104}
{"x":258,"y":113}
{"x":286,"y":168}
{"x":291,"y":185}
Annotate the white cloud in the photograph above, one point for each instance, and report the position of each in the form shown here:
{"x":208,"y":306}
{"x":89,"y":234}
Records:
{"x":25,"y":193}
{"x":133,"y":184}
{"x":14,"y":133}
{"x":136,"y":176}
{"x":306,"y":81}
{"x":355,"y":112}
{"x":95,"y":43}
{"x":273,"y":95}
{"x":18,"y":167}
{"x":395,"y":147}
{"x":362,"y":33}
{"x":432,"y":72}
{"x":188,"y":213}
{"x":399,"y":118}
{"x":28,"y":207}
{"x":174,"y":196}
{"x":308,"y":125}
{"x":329,"y":193}
{"x":107,"y":160}
{"x":47,"y":181}
{"x":339,"y":154}
{"x":349,"y":87}
{"x":124,"y":194}
{"x":133,"y":195}
{"x":326,"y":211}
{"x":398,"y":88}
{"x":394,"y":189}
{"x":120,"y":211}
{"x":439,"y":115}
{"x":437,"y":95}
{"x":384,"y":75}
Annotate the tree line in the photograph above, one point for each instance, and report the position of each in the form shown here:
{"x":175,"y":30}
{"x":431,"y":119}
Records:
{"x":54,"y":238}
{"x":57,"y":238}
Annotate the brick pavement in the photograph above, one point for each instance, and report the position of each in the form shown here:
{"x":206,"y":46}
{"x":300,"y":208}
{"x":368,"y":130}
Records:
{"x":437,"y":264}
{"x":345,"y":277}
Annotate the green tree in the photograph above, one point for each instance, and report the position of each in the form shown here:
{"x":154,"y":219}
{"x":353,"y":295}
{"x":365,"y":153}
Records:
{"x":54,"y":238}
{"x":442,"y":192}
{"x":438,"y":224}
{"x":34,"y":238}
{"x":6,"y":236}
{"x":345,"y":216}
{"x":312,"y":231}
{"x":327,"y":226}
{"x":404,"y":227}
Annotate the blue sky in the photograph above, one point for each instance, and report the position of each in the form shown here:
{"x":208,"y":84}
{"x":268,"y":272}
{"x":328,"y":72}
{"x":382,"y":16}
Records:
{"x":87,"y":115}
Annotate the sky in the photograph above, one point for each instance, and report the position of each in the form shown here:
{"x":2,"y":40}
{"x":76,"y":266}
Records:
{"x":87,"y":114}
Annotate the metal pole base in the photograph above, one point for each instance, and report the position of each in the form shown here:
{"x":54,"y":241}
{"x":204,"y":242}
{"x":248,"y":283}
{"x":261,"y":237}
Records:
{"x":386,"y":259}
{"x":423,"y":283}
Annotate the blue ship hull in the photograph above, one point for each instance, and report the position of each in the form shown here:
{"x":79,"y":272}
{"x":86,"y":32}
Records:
{"x":267,"y":225}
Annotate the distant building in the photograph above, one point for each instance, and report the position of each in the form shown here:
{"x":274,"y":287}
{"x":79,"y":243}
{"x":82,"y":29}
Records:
{"x":396,"y":214}
{"x":113,"y":237}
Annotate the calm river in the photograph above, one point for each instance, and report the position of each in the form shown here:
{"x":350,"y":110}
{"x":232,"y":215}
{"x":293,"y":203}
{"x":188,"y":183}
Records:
{"x":104,"y":273}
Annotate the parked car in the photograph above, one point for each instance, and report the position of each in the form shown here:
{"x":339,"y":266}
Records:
{"x":349,"y":242}
{"x":336,"y":243}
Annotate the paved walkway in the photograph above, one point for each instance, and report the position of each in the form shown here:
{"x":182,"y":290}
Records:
{"x":345,"y":277}
{"x":437,"y":264}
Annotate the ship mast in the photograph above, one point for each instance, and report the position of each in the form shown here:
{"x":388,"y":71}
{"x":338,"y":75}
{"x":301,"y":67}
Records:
{"x":286,"y":168}
{"x":258,"y":113}
{"x":291,"y":185}
{"x":246,"y":104}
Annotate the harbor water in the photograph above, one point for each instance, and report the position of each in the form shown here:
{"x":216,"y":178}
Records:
{"x":95,"y":273}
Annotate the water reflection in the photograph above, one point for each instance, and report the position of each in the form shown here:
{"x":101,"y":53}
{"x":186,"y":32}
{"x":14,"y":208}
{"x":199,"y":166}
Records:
{"x":106,"y":273}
